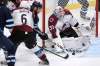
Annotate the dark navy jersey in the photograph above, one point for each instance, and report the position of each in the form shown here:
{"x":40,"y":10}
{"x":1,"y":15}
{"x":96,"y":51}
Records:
{"x":5,"y":18}
{"x":35,"y":19}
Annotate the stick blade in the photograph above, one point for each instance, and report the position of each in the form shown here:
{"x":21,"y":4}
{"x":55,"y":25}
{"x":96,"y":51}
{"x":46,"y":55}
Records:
{"x":66,"y":57}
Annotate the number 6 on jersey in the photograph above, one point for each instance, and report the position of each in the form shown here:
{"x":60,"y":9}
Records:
{"x":23,"y":16}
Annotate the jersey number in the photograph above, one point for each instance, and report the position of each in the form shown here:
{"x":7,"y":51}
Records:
{"x":51,"y":27}
{"x":23,"y":18}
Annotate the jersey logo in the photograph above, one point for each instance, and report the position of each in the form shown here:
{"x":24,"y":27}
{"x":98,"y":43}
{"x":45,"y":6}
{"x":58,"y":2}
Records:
{"x":51,"y":19}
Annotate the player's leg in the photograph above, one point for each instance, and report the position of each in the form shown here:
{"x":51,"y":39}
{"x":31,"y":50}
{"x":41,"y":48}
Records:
{"x":84,"y":9}
{"x":62,"y":3}
{"x":30,"y":42}
{"x":8,"y":48}
{"x":17,"y":36}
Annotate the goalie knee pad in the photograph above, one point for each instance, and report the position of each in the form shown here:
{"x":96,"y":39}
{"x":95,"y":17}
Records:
{"x":77,"y":45}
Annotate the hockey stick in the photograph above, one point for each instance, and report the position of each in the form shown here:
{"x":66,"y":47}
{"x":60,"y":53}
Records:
{"x":65,"y":57}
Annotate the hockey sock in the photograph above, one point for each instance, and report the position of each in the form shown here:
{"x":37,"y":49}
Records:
{"x":40,"y":54}
{"x":10,"y":59}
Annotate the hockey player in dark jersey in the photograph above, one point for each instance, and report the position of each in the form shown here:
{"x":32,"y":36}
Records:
{"x":6,"y":21}
{"x":84,"y":8}
{"x":36,"y":8}
{"x":24,"y":30}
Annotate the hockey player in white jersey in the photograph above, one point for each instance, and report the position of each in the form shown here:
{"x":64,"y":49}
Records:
{"x":23,"y":31}
{"x":60,"y":25}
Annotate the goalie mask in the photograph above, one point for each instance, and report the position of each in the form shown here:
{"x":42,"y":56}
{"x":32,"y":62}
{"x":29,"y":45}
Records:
{"x":59,"y":11}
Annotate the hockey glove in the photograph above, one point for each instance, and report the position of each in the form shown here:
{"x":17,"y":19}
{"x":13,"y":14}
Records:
{"x":43,"y":36}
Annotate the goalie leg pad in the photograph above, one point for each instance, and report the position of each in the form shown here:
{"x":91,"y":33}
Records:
{"x":77,"y":45}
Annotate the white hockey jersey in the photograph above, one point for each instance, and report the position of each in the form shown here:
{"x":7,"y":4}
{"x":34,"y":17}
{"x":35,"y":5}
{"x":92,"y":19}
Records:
{"x":55,"y":23}
{"x":23,"y":17}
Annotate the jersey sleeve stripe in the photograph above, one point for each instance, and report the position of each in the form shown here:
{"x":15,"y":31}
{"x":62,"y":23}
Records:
{"x":35,"y":26}
{"x":9,"y":20}
{"x":8,"y":23}
{"x":10,"y":26}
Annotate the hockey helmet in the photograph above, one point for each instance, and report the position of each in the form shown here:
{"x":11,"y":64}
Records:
{"x":36,"y":4}
{"x":58,"y":10}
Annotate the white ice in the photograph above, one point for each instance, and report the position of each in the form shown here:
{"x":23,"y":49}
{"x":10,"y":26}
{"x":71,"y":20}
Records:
{"x":91,"y":58}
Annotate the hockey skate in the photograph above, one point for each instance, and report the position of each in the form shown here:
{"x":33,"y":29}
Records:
{"x":46,"y":62}
{"x":3,"y":63}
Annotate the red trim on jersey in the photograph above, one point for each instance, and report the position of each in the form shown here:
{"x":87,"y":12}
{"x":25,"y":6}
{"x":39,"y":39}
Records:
{"x":23,"y":27}
{"x":20,"y":8}
{"x":52,"y":24}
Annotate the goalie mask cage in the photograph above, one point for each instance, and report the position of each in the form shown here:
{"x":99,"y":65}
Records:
{"x":49,"y":5}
